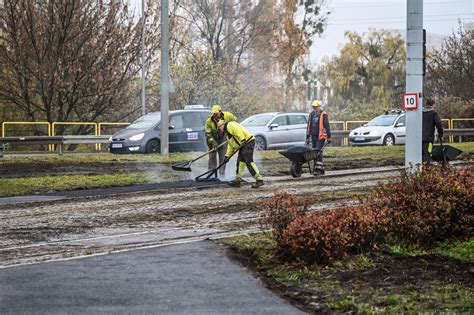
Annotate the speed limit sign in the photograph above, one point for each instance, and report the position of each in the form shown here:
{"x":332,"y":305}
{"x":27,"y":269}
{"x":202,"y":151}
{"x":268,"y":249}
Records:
{"x":410,"y":101}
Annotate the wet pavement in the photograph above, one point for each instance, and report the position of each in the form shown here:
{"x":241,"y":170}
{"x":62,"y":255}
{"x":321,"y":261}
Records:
{"x":190,"y":278}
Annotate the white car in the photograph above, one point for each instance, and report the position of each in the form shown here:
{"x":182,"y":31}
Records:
{"x":388,"y":129}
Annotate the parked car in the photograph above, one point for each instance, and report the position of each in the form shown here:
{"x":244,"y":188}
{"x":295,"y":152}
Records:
{"x":277,"y":130}
{"x":388,"y":129}
{"x":186,"y":132}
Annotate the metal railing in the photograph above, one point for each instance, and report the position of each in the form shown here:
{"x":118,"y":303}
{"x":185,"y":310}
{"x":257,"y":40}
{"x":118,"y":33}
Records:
{"x":347,"y":125}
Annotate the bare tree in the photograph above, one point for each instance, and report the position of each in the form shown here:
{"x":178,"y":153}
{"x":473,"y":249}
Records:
{"x":72,"y":60}
{"x":451,"y":69}
{"x":229,"y":29}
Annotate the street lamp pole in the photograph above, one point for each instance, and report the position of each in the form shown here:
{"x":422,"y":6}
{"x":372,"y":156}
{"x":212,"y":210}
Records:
{"x":143,"y":60}
{"x":164,"y":78}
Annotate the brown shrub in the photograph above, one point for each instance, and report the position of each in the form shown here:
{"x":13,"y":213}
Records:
{"x":332,"y":234}
{"x":418,"y":208}
{"x":280,"y":210}
{"x":422,"y":207}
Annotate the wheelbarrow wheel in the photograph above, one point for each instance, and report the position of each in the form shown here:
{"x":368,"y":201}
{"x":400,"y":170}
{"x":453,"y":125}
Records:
{"x":296,"y":169}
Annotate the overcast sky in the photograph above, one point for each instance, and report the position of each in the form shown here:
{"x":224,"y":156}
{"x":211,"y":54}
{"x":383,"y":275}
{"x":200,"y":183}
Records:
{"x":440,"y":17}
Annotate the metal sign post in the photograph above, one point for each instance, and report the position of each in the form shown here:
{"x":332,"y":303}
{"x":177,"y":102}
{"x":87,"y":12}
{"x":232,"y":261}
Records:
{"x":164,"y":79}
{"x":414,"y":81}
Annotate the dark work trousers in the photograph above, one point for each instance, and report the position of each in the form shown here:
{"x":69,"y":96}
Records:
{"x":318,"y":162}
{"x":212,"y":164}
{"x":245,"y":159}
{"x":426,"y":151}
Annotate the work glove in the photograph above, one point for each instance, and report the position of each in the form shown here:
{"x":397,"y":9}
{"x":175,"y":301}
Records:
{"x":212,"y":144}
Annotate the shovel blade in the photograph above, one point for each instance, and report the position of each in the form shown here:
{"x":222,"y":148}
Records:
{"x":184,"y":167}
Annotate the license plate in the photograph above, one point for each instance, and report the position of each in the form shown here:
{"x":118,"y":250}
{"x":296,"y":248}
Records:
{"x":193,"y":136}
{"x":116,"y":145}
{"x":359,"y":139}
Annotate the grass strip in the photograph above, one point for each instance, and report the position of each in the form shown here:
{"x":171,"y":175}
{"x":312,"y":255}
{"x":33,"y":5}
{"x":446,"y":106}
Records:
{"x":22,"y":186}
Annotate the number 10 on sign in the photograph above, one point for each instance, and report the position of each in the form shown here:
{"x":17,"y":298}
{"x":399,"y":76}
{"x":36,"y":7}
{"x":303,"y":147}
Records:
{"x":410,"y":101}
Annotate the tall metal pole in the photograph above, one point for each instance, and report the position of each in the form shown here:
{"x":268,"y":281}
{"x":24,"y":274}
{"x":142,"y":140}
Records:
{"x":143,"y":59}
{"x":414,"y":81}
{"x":164,"y":78}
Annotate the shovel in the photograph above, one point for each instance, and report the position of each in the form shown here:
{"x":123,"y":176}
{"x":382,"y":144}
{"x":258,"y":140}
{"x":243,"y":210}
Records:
{"x":206,"y":176}
{"x":186,"y":166}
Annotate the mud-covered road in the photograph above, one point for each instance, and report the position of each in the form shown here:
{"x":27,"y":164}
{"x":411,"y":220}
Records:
{"x":49,"y":230}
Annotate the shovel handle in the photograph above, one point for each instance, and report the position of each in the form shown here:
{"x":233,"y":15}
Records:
{"x":209,"y":173}
{"x":209,"y":152}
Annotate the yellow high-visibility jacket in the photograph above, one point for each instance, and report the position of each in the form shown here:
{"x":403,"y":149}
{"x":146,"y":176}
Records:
{"x":210,"y":128}
{"x":236,"y":135}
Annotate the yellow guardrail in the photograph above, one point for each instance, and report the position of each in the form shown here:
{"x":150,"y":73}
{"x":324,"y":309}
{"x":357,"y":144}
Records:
{"x":5,"y":123}
{"x":449,"y":126}
{"x":354,"y":122}
{"x":65,"y":123}
{"x":453,"y":120}
{"x":99,"y":128}
{"x":343,"y":124}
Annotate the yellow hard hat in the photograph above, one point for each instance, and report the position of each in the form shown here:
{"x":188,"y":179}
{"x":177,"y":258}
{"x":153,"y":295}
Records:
{"x":216,"y":109}
{"x":316,"y":103}
{"x":220,"y":122}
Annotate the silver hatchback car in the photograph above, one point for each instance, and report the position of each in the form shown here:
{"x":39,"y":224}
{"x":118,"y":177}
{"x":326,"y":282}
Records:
{"x":277,"y":130}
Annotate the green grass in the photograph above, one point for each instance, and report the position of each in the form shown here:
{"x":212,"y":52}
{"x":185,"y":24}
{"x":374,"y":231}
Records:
{"x":339,"y":296}
{"x":55,"y":159}
{"x":459,"y":250}
{"x":335,"y":156}
{"x":21,"y":186}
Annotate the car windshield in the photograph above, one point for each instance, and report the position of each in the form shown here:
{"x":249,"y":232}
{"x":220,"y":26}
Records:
{"x":146,"y":121}
{"x":257,"y":120}
{"x":384,"y":120}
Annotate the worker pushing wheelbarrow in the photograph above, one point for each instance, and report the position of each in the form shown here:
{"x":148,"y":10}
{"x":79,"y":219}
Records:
{"x":301,"y":158}
{"x":318,"y":133}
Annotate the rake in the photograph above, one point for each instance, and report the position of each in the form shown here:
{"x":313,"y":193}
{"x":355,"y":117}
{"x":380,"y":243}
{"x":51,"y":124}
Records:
{"x":186,"y":166}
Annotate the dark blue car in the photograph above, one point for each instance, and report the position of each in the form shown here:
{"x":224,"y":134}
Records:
{"x":186,"y":133}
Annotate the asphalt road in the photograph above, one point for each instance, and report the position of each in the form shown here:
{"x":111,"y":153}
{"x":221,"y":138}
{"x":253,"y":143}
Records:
{"x":192,"y":278}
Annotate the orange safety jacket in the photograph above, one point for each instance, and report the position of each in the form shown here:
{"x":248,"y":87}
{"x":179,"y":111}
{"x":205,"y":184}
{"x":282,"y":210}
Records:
{"x":323,"y":133}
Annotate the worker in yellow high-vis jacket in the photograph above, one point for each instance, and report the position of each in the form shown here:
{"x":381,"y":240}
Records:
{"x":214,"y":139}
{"x":239,"y":138}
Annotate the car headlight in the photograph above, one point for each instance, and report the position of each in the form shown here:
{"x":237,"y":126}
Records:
{"x":137,"y":137}
{"x":110,"y":139}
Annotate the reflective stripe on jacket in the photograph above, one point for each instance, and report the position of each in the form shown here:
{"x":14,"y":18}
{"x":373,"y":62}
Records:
{"x":210,"y":128}
{"x":236,"y":135}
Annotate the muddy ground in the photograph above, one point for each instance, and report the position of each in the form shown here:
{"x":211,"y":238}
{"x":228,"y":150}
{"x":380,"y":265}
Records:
{"x":390,"y":278}
{"x":269,"y":167}
{"x":42,"y":231}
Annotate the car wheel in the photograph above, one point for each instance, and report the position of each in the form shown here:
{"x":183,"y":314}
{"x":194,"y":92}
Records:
{"x":296,"y":169}
{"x":389,"y":140}
{"x":153,"y":146}
{"x":260,"y":143}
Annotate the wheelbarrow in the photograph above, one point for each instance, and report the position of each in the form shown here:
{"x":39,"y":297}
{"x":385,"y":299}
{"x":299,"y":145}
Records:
{"x":444,"y":153}
{"x":301,"y":157}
